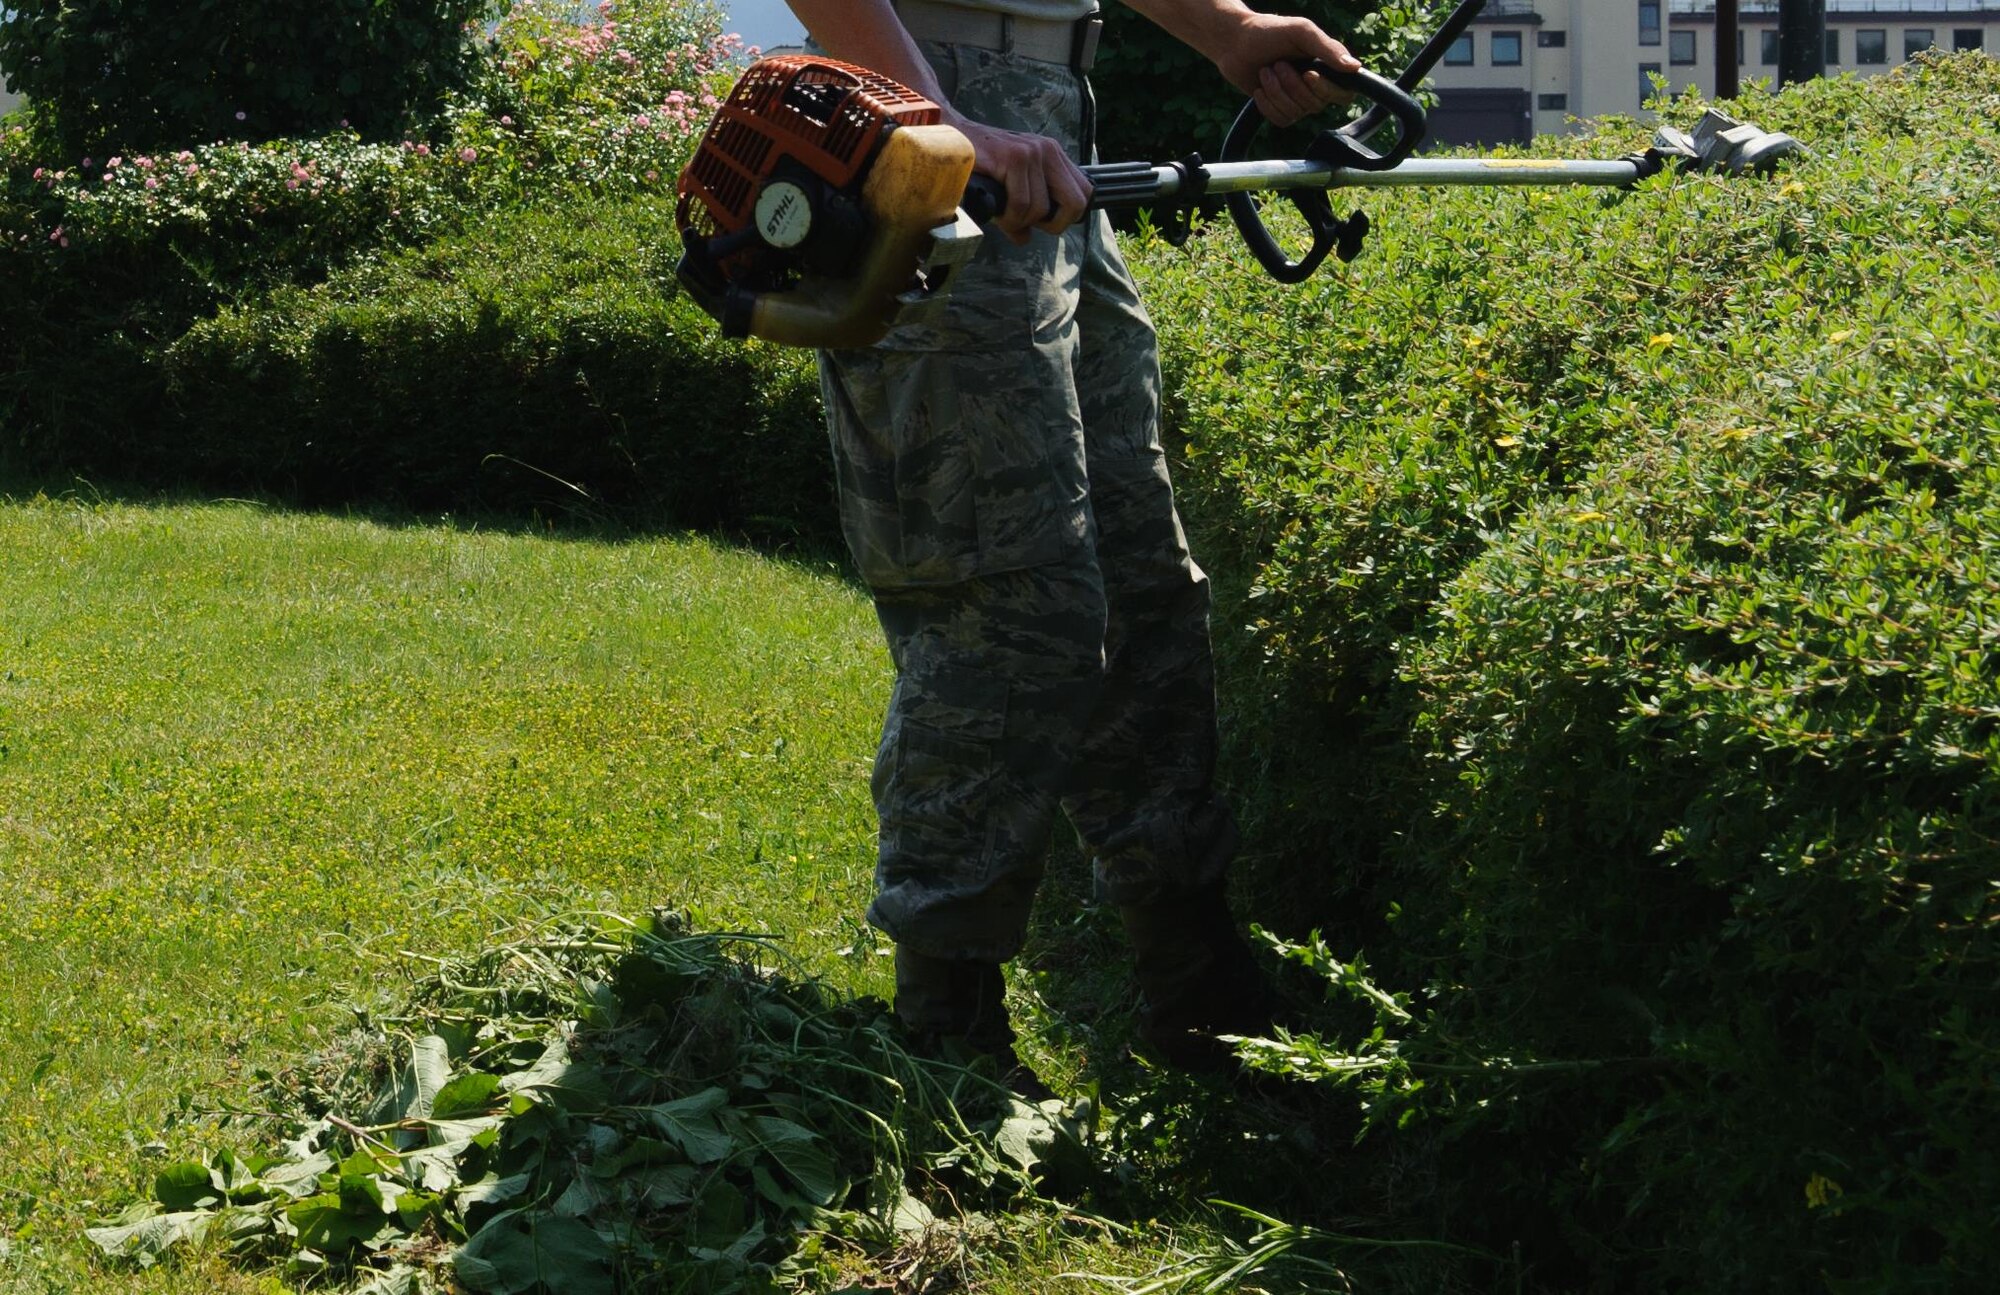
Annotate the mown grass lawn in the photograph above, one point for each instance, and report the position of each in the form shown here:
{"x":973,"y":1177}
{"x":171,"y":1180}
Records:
{"x":250,"y":760}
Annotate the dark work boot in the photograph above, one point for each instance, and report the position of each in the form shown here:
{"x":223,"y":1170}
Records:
{"x":956,"y":1010}
{"x":1199,"y":979}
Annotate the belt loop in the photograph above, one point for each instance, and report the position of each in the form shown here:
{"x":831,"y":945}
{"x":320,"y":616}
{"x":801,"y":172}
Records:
{"x":1083,"y":45}
{"x":1006,"y":33}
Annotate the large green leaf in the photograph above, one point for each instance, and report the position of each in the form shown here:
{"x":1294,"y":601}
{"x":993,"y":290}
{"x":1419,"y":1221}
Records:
{"x":556,"y":1079}
{"x":186,"y":1186}
{"x":694,"y":1124}
{"x":518,"y":1252}
{"x":468,"y":1095}
{"x":143,"y":1241}
{"x":430,"y":1072}
{"x":297,"y":1178}
{"x":804,"y":1156}
{"x":326,"y":1224}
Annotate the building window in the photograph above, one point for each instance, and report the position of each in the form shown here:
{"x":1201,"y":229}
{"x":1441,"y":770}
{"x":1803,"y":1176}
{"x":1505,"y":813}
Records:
{"x":1769,"y":53}
{"x":1506,"y":49}
{"x":1647,"y":71}
{"x":1833,"y":49}
{"x":1741,"y":42}
{"x":1916,"y":40}
{"x":1871,"y":45}
{"x":1552,"y":102}
{"x":1460,"y":53}
{"x":1680,"y":48}
{"x":1967,"y":39}
{"x":1551,"y":39}
{"x":1649,"y":22}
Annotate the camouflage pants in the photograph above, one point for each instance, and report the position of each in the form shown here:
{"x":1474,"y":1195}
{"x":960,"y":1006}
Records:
{"x":1004,"y":493}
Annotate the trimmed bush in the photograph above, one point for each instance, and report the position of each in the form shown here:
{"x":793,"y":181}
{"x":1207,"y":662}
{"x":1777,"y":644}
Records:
{"x":112,"y":260}
{"x":539,"y":359}
{"x":1620,"y":570}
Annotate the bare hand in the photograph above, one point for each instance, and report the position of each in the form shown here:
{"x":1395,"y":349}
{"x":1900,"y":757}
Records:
{"x":1046,"y":190}
{"x":1259,"y":62}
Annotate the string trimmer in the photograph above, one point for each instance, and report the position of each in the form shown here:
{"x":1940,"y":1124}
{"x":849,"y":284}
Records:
{"x":827,"y":204}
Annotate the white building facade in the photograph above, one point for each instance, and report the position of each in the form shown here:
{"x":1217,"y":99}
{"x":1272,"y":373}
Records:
{"x":1529,"y":67}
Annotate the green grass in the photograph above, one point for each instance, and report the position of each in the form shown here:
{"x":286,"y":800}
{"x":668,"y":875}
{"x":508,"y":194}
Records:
{"x":247,"y":756}
{"x":256,"y":765}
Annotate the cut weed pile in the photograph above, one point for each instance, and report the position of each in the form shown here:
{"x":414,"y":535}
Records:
{"x":604,"y":1107}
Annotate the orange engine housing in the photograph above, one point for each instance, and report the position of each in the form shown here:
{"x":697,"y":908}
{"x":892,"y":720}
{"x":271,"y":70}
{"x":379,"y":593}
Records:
{"x":795,"y":112}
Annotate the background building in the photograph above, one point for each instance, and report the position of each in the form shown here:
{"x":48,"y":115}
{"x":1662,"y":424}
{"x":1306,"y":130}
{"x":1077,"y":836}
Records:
{"x":1529,"y":67}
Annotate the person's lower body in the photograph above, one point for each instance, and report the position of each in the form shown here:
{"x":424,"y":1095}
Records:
{"x":1005,"y":495}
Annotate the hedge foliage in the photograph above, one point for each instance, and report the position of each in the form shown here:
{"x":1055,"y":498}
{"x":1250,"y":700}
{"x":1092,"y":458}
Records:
{"x":541,"y":359}
{"x":154,"y":74}
{"x":480,"y":314}
{"x":1620,"y":575}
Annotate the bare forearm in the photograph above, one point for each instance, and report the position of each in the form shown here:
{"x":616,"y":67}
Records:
{"x":1205,"y":26}
{"x":868,"y":33}
{"x":1045,"y":188}
{"x":1258,"y":53}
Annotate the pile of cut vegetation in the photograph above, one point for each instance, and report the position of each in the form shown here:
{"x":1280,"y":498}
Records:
{"x":607,"y":1107}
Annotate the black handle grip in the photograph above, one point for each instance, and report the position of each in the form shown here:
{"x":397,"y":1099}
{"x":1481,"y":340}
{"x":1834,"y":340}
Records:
{"x":985,"y":198}
{"x":1338,"y":148}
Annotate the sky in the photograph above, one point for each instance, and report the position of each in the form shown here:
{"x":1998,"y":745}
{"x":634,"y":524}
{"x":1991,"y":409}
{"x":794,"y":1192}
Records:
{"x":762,"y":23}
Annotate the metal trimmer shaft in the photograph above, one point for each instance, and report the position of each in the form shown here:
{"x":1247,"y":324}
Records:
{"x":1136,"y":184}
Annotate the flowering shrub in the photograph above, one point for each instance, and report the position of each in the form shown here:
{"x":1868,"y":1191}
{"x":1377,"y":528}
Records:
{"x":606,"y":105}
{"x":266,"y":210}
{"x":111,"y":255}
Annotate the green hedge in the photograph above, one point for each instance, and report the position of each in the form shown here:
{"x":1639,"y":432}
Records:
{"x":337,"y":321}
{"x":1620,"y":575}
{"x":543,"y":358}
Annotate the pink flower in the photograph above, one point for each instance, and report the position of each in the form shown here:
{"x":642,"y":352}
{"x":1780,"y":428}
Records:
{"x":506,"y":121}
{"x":152,"y":183}
{"x":86,"y":164}
{"x":38,"y":173}
{"x":423,"y":150}
{"x":183,"y":156}
{"x":291,"y":184}
{"x":642,"y":120}
{"x":468,"y":155}
{"x":241,"y":115}
{"x":113,"y":162}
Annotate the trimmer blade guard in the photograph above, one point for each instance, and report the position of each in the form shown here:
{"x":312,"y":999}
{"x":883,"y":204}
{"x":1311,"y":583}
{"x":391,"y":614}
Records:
{"x":1721,"y":143}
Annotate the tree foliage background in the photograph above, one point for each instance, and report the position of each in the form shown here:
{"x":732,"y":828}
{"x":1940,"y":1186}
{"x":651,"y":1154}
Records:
{"x":135,"y":74}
